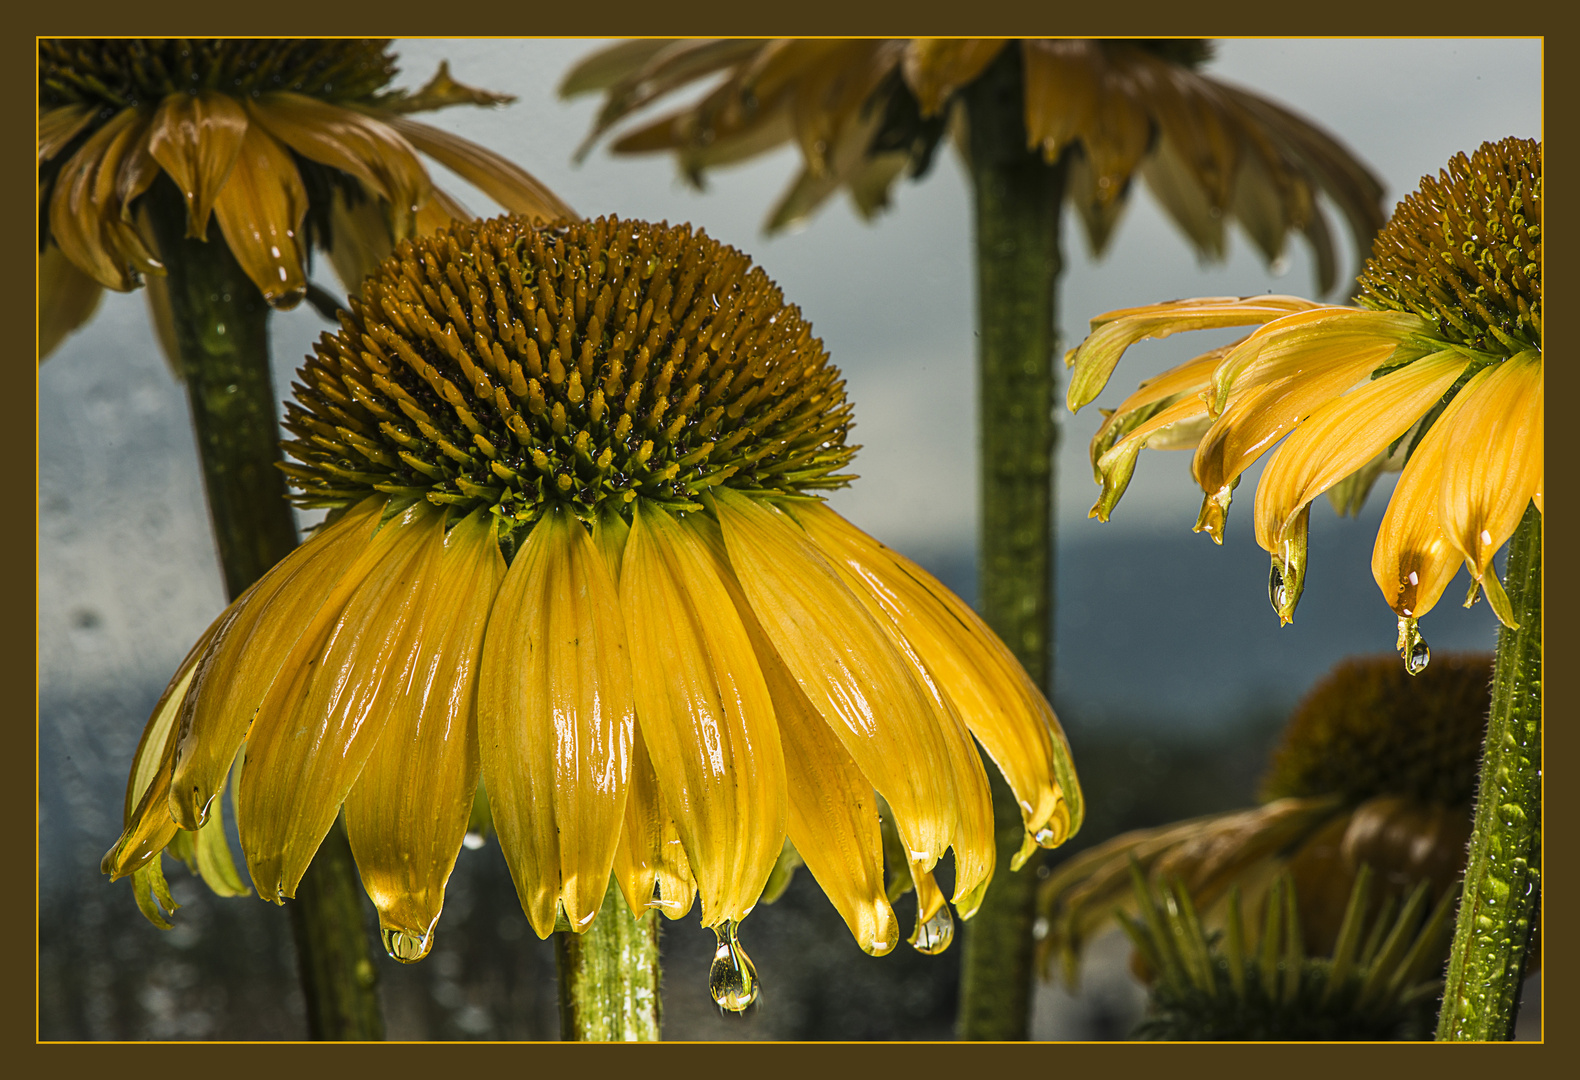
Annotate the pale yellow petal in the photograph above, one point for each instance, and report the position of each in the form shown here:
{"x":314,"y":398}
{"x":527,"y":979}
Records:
{"x":1496,"y":466}
{"x":323,"y":714}
{"x":555,"y":715}
{"x":1112,"y":333}
{"x":197,"y":138}
{"x":252,"y":641}
{"x":1341,"y":436}
{"x":260,"y":211}
{"x":705,"y":713}
{"x":995,"y":697}
{"x":408,"y":811}
{"x":502,"y":180}
{"x":846,"y":663}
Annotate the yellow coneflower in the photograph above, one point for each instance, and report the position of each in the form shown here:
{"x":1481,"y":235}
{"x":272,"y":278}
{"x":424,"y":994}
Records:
{"x":575,"y":553}
{"x":1376,"y":769}
{"x":863,"y":111}
{"x":283,"y":143}
{"x":1442,"y":365}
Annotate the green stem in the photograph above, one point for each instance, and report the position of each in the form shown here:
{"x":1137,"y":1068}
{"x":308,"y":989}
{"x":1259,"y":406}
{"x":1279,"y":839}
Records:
{"x":609,"y":976}
{"x":1018,"y":198}
{"x":1503,"y":872}
{"x":222,"y":337}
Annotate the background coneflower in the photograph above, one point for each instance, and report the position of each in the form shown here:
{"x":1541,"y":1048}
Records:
{"x":577,"y":555}
{"x":208,"y":171}
{"x":1038,"y":122}
{"x":1440,"y":369}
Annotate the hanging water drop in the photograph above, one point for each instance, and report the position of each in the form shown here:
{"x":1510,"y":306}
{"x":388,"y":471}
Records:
{"x":405,"y":946}
{"x":1412,"y":646}
{"x":1275,"y":587}
{"x":933,"y":936}
{"x":732,"y":980}
{"x":1047,"y":837}
{"x":473,"y":840}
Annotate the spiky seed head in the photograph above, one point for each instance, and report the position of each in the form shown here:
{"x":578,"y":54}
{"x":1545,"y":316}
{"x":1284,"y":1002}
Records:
{"x":582,"y":364}
{"x":1465,"y":251}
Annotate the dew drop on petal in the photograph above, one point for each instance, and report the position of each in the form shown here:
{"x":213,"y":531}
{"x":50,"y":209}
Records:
{"x":405,"y":946}
{"x":473,"y":840}
{"x":1412,"y":646}
{"x":934,"y":936}
{"x":732,"y":980}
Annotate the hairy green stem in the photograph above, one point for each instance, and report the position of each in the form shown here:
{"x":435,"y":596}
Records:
{"x":1503,"y":872}
{"x":1018,"y":197}
{"x":609,"y":976}
{"x":221,"y":330}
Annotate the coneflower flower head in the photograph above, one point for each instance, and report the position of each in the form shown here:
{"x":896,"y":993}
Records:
{"x":575,"y":552}
{"x":287,"y":144}
{"x":1439,"y":374}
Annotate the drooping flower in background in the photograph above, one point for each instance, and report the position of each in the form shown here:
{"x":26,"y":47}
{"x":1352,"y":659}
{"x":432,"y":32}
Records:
{"x":576,"y":554}
{"x":283,"y":144}
{"x":1038,"y":122}
{"x":1439,"y":370}
{"x":1375,"y":768}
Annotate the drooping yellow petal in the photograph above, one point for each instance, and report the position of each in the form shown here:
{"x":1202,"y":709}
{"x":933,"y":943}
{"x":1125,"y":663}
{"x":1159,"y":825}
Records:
{"x":251,"y":641}
{"x":148,"y":826}
{"x":1295,"y":344}
{"x":1414,"y":560}
{"x":196,"y":138}
{"x":934,"y":68}
{"x":650,"y":860}
{"x":1343,"y":435}
{"x":407,"y":812}
{"x":332,"y":700}
{"x":1259,"y":416}
{"x":1179,"y":425}
{"x":555,"y":715}
{"x":996,"y":699}
{"x":67,"y":299}
{"x":1114,"y":332}
{"x":368,"y":148}
{"x":706,"y":715}
{"x":833,"y":819}
{"x":1061,"y":93}
{"x":359,"y":237}
{"x":440,"y":211}
{"x":57,"y":127}
{"x":1496,"y":468}
{"x":260,"y":211}
{"x":847,"y":665}
{"x":85,"y":215}
{"x":502,"y":180}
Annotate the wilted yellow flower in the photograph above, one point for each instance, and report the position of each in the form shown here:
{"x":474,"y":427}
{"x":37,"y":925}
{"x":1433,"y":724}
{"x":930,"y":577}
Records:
{"x":284,"y":143}
{"x":1441,"y":370}
{"x":1375,"y":769}
{"x":864,"y":110}
{"x":576,"y":555}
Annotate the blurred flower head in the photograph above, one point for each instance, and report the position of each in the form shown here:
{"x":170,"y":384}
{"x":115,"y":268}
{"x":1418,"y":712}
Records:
{"x":864,"y":111}
{"x":1375,"y":769}
{"x":283,"y":144}
{"x":1438,"y":372}
{"x":576,"y":554}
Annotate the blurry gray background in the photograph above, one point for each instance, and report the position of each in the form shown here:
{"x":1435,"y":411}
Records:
{"x":1169,"y":660}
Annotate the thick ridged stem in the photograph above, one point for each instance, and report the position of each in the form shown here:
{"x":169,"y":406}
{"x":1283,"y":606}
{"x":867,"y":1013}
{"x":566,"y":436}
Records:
{"x":1503,"y":872}
{"x":222,"y":338}
{"x":609,"y":976}
{"x":1017,"y":196}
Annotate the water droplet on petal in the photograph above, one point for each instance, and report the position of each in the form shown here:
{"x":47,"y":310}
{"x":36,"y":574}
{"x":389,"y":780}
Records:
{"x":1048,"y":838}
{"x":934,"y":936}
{"x":405,"y":946}
{"x":732,"y":980}
{"x":1412,"y":646}
{"x":472,"y":841}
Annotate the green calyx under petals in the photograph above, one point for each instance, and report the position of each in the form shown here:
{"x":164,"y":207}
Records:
{"x":519,"y":367}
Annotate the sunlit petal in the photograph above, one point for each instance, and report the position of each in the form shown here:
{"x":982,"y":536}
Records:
{"x":197,"y":137}
{"x":407,"y":812}
{"x":260,"y":211}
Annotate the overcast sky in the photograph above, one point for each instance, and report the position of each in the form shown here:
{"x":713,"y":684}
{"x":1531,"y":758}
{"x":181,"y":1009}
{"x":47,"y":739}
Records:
{"x":127,"y":573}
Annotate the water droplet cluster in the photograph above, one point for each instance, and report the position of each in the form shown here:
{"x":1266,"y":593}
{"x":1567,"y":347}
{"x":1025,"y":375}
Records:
{"x":1465,"y":251}
{"x":582,"y":364}
{"x":1372,"y":728}
{"x":122,"y":72}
